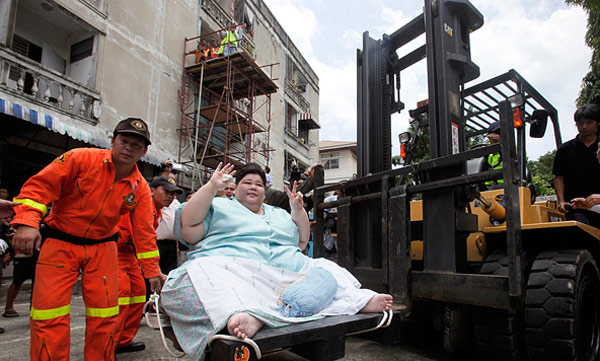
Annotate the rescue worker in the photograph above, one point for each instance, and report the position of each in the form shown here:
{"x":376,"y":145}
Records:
{"x":494,"y":160}
{"x":132,"y":288}
{"x":89,"y":190}
{"x":163,"y":189}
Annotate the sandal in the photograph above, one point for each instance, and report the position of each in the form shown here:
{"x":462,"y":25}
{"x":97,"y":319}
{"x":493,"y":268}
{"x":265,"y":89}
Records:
{"x":11,"y":313}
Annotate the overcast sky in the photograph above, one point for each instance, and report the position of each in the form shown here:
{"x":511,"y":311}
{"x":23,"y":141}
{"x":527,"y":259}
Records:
{"x":544,"y":40}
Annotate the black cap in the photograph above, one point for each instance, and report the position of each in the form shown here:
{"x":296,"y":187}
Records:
{"x":494,"y":127}
{"x":167,"y":182}
{"x":133,"y":126}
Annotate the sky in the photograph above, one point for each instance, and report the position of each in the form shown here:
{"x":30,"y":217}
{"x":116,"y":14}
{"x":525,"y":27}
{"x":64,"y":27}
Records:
{"x":543,"y":40}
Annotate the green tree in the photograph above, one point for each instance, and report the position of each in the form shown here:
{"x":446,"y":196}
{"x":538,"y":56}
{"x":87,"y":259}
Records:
{"x":541,"y":173}
{"x":590,"y":86}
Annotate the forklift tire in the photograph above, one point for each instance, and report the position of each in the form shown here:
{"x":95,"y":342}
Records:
{"x":499,"y":333}
{"x":562,"y":307}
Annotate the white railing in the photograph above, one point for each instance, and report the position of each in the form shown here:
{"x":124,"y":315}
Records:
{"x":49,"y":89}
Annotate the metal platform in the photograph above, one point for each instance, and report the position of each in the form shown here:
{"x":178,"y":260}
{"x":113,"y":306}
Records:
{"x":319,"y":340}
{"x":246,"y":71}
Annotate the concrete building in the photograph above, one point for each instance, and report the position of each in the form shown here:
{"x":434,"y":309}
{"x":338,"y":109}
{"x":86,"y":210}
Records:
{"x":288,"y":117}
{"x":339,"y":159}
{"x":71,"y":69}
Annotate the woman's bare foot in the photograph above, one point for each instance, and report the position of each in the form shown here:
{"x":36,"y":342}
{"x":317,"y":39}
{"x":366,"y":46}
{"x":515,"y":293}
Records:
{"x":242,"y":325}
{"x":379,"y":303}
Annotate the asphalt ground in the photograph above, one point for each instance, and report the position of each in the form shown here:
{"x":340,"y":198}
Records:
{"x":418,"y":344}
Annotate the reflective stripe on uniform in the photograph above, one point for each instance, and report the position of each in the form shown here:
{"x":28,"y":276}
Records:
{"x":131,"y":300}
{"x":50,"y":313}
{"x":33,"y":204}
{"x":138,"y":299}
{"x":102,"y":312}
{"x":145,"y":255}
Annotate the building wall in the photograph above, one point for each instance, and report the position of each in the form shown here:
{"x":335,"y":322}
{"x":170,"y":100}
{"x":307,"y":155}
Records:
{"x":136,"y":69}
{"x":143,"y":63}
{"x":136,"y":66}
{"x":347,"y":165}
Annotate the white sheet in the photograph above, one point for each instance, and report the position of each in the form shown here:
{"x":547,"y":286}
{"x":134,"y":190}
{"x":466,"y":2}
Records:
{"x":227,"y":284}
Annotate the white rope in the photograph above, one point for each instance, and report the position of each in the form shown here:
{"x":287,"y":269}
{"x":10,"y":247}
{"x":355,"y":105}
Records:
{"x":385,"y":321}
{"x":390,"y":316}
{"x":236,"y":339}
{"x":154,"y":298}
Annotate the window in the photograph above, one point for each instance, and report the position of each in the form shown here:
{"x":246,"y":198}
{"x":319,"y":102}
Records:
{"x":25,"y":48}
{"x":303,"y":132}
{"x":30,"y":50}
{"x":82,"y":49}
{"x":333,"y":163}
{"x":291,"y":119}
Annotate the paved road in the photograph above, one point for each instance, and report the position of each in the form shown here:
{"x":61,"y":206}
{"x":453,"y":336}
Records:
{"x":420,"y":345}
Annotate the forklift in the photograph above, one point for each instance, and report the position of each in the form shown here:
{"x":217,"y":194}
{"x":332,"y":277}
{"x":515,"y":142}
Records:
{"x":491,"y":263}
{"x":490,"y":267}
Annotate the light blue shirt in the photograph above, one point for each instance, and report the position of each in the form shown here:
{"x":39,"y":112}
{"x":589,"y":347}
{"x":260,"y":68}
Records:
{"x":232,"y":230}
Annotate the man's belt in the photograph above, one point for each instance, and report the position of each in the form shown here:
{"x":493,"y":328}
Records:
{"x":48,"y":232}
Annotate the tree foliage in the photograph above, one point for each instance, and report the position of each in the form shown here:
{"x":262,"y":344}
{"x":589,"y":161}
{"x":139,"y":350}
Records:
{"x":590,"y":86}
{"x":541,"y":172}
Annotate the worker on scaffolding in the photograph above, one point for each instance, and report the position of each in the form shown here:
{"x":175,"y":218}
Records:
{"x":214,"y":49}
{"x":202,"y":52}
{"x":228,"y":43}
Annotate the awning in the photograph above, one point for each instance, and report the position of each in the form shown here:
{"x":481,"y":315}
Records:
{"x":309,"y":121}
{"x":82,"y":131}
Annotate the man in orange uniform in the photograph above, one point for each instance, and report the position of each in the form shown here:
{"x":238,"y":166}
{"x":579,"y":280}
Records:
{"x":132,"y":289}
{"x":89,"y":190}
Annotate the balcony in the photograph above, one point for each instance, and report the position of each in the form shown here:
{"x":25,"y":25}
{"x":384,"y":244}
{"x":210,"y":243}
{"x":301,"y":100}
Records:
{"x":47,"y":88}
{"x":217,"y":14}
{"x":294,"y":92}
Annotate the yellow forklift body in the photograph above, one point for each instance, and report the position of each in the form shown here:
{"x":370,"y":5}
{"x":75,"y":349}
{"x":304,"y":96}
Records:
{"x":539,"y":215}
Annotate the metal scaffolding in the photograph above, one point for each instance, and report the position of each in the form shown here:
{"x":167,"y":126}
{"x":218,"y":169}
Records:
{"x":225,"y":105}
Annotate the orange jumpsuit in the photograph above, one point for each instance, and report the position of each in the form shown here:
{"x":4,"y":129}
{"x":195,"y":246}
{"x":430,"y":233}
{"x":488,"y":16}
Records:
{"x":132,"y":288}
{"x":87,"y":203}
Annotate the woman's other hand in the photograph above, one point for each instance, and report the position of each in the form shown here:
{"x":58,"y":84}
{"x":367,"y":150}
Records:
{"x":295,"y":197}
{"x":222,"y":176}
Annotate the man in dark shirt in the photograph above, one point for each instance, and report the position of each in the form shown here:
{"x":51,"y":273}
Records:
{"x":576,"y":168}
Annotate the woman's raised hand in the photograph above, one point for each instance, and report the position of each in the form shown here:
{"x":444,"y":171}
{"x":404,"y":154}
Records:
{"x":296,"y":199}
{"x":222,"y":176}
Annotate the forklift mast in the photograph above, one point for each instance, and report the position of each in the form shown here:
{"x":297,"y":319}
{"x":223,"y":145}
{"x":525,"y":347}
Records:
{"x":447,"y":25}
{"x":374,"y":211}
